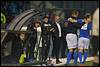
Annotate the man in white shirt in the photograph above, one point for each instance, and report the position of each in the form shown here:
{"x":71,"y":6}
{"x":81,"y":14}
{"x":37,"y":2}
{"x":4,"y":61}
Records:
{"x":57,"y":38}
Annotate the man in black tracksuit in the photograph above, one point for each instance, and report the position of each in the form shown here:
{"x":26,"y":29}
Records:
{"x":46,"y":33}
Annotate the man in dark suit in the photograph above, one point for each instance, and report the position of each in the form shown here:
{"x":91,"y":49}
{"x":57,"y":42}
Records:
{"x":57,"y":34}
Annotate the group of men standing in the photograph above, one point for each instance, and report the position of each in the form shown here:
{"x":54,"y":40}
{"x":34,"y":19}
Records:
{"x":55,"y":29}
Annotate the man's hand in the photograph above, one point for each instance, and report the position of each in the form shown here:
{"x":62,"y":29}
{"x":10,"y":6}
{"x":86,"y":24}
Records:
{"x":51,"y":29}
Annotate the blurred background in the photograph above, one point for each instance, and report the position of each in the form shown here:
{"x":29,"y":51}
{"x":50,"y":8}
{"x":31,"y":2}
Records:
{"x":63,"y":8}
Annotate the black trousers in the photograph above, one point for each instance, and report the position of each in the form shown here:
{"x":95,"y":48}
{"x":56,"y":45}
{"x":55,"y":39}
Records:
{"x":63,"y":47}
{"x":56,"y":47}
{"x":45,"y":47}
{"x":32,"y":41}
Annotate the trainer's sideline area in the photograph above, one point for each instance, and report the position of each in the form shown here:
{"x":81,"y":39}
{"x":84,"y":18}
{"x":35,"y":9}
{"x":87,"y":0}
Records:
{"x":63,"y":60}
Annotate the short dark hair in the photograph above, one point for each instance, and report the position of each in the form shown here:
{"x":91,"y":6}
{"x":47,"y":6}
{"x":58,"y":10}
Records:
{"x":75,"y":12}
{"x":36,"y":22}
{"x":87,"y":15}
{"x":46,"y":17}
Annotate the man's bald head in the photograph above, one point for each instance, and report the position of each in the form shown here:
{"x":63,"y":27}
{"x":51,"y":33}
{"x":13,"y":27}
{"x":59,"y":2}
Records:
{"x":57,"y":18}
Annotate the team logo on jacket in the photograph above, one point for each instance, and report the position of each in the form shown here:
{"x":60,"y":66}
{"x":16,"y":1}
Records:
{"x":47,"y":25}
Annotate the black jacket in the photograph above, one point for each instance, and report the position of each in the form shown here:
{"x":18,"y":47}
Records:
{"x":32,"y":35}
{"x":18,"y":46}
{"x":56,"y":32}
{"x":46,"y":29}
